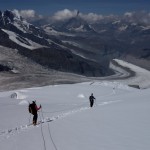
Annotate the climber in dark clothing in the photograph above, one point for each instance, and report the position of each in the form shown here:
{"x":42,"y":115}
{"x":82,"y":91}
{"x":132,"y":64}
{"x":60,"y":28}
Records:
{"x":91,"y":98}
{"x":33,"y":110}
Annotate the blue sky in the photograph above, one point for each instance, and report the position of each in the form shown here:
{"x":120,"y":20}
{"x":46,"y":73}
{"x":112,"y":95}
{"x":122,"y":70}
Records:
{"x":47,"y":7}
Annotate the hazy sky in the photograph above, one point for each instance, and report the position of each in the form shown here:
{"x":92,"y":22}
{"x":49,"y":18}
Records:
{"x":47,"y":7}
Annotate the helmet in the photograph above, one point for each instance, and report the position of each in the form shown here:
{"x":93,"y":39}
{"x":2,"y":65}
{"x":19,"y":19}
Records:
{"x":34,"y":102}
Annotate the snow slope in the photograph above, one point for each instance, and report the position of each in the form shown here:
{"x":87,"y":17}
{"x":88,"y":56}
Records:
{"x":119,"y":119}
{"x":24,"y":42}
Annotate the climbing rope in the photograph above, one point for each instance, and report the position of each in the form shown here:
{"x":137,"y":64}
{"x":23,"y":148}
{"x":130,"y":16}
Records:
{"x":49,"y":130}
{"x":42,"y":133}
{"x":51,"y":136}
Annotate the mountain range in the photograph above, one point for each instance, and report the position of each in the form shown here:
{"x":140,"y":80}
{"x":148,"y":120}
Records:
{"x":74,"y":45}
{"x":109,"y":38}
{"x":45,"y":49}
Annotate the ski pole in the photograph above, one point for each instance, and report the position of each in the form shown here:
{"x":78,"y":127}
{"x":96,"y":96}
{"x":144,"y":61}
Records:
{"x":30,"y":114}
{"x":95,"y":102}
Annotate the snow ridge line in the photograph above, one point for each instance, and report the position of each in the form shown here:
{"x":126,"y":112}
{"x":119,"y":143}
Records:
{"x":9,"y":132}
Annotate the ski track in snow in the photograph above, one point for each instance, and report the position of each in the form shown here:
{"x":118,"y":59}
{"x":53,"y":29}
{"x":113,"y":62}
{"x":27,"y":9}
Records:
{"x":10,"y":132}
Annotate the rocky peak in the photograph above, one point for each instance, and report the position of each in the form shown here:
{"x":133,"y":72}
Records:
{"x":12,"y":15}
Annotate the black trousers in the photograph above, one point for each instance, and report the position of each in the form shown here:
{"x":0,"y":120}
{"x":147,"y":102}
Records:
{"x":91,"y":102}
{"x":35,"y":116}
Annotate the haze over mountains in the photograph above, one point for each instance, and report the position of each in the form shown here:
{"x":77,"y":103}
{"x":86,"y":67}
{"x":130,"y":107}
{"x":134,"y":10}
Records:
{"x":80,"y":44}
{"x":110,"y":36}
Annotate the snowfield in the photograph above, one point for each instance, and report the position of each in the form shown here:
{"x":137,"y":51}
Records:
{"x":119,"y":119}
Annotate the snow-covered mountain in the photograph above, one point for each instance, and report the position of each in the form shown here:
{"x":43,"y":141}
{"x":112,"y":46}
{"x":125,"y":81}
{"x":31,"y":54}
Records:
{"x":34,"y":57}
{"x":20,"y":31}
{"x":73,"y":25}
{"x":45,"y":49}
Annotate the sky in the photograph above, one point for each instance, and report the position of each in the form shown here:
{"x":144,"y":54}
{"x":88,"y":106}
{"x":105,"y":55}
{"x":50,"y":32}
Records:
{"x":105,"y":7}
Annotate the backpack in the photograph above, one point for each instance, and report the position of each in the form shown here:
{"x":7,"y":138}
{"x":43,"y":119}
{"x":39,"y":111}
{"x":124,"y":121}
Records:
{"x":31,"y":108}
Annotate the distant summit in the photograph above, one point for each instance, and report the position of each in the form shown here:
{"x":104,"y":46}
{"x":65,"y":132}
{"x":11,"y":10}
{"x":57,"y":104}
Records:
{"x":78,"y":13}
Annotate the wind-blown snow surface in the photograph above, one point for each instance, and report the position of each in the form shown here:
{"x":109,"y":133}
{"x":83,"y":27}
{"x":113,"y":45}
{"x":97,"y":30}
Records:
{"x":119,"y":119}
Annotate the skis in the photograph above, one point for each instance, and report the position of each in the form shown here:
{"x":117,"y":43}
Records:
{"x":41,"y":122}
